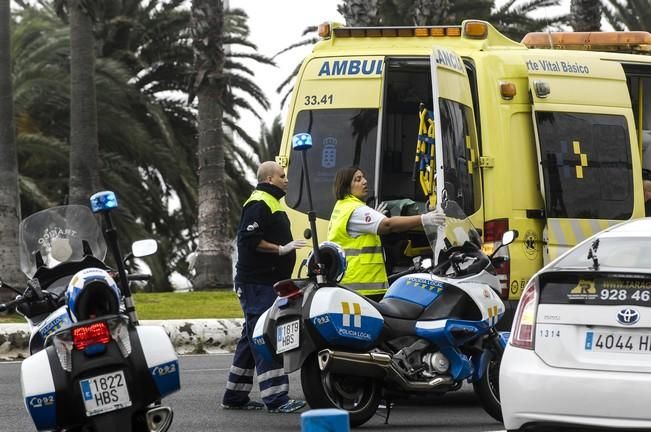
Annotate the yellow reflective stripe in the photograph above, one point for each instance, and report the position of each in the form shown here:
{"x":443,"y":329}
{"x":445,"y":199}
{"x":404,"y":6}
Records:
{"x":345,"y":308}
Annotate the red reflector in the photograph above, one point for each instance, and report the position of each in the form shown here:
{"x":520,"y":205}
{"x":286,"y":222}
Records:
{"x":493,"y":230}
{"x":287,"y":288}
{"x":96,"y":333}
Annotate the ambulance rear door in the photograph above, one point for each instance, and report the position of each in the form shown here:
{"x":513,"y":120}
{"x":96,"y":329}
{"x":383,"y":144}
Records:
{"x":583,"y":124}
{"x":458,"y":176}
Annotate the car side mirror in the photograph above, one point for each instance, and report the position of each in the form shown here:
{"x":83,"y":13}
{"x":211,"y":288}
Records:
{"x":142,"y":248}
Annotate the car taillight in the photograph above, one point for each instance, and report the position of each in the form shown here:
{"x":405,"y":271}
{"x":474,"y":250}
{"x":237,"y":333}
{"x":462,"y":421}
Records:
{"x":93,"y":334}
{"x":493,"y":230}
{"x":287,"y":288}
{"x":524,"y":325}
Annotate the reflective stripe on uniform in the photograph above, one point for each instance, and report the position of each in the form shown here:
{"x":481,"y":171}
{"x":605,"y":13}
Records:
{"x":283,"y":388}
{"x":241,"y":372}
{"x":364,"y":250}
{"x":271,"y":374}
{"x":239,"y":386}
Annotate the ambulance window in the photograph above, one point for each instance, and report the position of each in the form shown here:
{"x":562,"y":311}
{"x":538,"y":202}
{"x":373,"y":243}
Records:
{"x":586,"y":165}
{"x":340,"y":138}
{"x":460,"y":161}
{"x":640,"y":91}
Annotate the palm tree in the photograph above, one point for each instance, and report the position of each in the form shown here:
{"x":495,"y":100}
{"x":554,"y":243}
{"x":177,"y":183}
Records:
{"x":628,"y":15}
{"x":585,"y":15}
{"x":213,"y":263}
{"x":9,"y":197}
{"x":84,"y":145}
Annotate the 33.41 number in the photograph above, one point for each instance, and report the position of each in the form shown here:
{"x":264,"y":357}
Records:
{"x":316,"y":100}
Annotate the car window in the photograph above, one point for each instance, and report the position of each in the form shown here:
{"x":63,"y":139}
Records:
{"x":622,"y":252}
{"x":340,"y":138}
{"x":586,"y":165}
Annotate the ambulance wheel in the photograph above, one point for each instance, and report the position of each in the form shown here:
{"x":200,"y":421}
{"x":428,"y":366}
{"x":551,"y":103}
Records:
{"x":360,"y":396}
{"x":487,"y":389}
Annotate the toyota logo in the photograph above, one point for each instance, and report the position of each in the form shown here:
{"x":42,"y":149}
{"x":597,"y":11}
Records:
{"x":628,"y":316}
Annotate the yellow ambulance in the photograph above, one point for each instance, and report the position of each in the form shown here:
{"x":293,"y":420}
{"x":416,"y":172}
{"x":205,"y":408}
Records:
{"x":547,"y":136}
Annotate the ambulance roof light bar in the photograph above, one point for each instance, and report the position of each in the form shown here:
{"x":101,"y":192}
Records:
{"x":629,"y":41}
{"x":470,"y":29}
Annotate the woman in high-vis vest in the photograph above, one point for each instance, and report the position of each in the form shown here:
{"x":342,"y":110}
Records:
{"x":357,"y":227}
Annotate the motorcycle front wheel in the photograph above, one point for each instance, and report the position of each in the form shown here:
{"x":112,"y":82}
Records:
{"x":487,"y":388}
{"x":360,"y":396}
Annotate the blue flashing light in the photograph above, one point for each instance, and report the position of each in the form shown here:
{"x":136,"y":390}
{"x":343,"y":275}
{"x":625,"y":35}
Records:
{"x":302,"y":141}
{"x":103,"y":201}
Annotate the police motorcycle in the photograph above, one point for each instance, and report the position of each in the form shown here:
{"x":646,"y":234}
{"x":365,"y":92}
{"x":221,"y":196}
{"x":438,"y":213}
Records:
{"x":92,"y":367}
{"x":434,"y":328}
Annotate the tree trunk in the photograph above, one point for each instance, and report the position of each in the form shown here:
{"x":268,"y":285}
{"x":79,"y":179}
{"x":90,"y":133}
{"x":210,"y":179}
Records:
{"x":9,"y":195}
{"x":84,"y":146}
{"x":585,"y":15}
{"x":213,"y":265}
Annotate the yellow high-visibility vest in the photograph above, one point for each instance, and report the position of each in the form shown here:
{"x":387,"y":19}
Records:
{"x":365,"y":271}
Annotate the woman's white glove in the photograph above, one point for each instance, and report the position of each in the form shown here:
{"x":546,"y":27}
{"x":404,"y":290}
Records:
{"x":436,"y":217}
{"x":381,"y":207}
{"x":291,"y":246}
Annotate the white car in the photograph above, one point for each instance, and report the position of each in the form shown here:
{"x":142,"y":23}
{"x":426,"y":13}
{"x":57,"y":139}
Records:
{"x":579,"y":353}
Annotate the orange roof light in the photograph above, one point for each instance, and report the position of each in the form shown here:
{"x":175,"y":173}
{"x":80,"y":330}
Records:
{"x":420,"y":31}
{"x":324,"y":30}
{"x":453,"y":31}
{"x":437,"y":31}
{"x":608,"y":41}
{"x":475,"y":29}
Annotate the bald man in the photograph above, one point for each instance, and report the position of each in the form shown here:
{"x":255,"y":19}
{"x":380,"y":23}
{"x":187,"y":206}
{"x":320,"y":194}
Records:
{"x":266,"y":254}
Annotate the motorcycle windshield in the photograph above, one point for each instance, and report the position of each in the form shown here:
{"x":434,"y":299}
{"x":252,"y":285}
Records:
{"x":456,"y":231}
{"x":56,"y":235}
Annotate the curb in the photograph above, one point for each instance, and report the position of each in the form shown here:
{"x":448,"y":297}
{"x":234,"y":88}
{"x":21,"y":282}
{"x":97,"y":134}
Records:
{"x":198,"y":336}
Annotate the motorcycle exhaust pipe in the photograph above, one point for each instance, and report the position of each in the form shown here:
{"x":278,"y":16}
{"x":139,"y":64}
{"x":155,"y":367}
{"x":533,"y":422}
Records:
{"x":372,"y":365}
{"x":159,"y":419}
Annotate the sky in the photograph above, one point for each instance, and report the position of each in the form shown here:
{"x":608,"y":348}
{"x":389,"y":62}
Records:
{"x":277,"y":24}
{"x":274,"y":26}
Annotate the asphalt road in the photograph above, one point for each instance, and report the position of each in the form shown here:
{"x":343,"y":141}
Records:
{"x":196,"y":406}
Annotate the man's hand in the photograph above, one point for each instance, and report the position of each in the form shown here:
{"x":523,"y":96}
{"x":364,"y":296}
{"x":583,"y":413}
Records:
{"x":436,"y":217}
{"x":291,"y":246}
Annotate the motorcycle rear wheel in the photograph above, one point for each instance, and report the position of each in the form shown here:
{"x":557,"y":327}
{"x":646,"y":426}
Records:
{"x":360,"y":396}
{"x":487,"y":389}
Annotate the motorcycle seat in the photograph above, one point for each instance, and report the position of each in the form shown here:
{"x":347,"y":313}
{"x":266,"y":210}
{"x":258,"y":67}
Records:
{"x":397,"y":308}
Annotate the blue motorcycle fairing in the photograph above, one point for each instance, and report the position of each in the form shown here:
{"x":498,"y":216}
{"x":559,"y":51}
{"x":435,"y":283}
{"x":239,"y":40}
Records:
{"x":420,"y":288}
{"x":43,"y":410}
{"x":259,"y":342}
{"x":448,"y":334}
{"x":343,"y":318}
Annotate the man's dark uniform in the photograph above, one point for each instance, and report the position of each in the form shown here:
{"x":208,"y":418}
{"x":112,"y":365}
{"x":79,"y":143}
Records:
{"x":263,"y":218}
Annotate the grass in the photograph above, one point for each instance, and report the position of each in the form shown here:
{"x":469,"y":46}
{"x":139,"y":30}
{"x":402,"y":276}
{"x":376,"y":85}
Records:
{"x":182,"y":305}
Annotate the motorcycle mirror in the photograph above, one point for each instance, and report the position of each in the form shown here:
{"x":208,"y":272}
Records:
{"x":509,"y":236}
{"x":307,"y":234}
{"x":142,"y":248}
